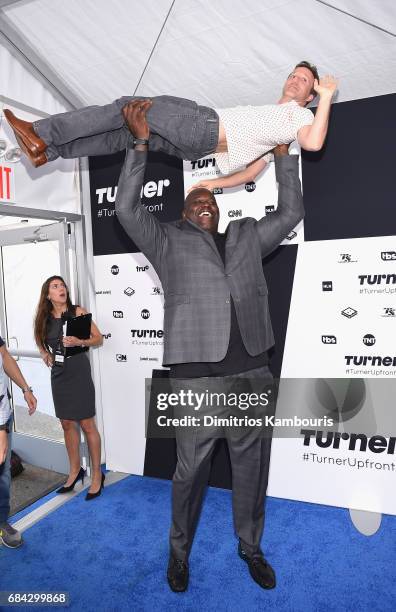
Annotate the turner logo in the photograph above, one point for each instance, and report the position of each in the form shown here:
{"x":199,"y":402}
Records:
{"x":250,"y":187}
{"x":114,"y":270}
{"x":145,"y":314}
{"x":352,"y":442}
{"x":377,"y":279}
{"x":154,"y":188}
{"x":388,"y":255}
{"x":369,"y":340}
{"x":203,"y":163}
{"x":235,"y":213}
{"x":147,"y":333}
{"x":329,"y":340}
{"x":375,"y":360}
{"x":118,"y":314}
{"x":107,"y":195}
{"x":142,"y":268}
{"x":327,"y":285}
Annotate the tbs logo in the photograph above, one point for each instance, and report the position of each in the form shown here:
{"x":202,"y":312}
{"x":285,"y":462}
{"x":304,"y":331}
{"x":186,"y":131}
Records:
{"x":120,"y":357}
{"x":115,"y":269}
{"x":145,"y":314}
{"x":250,"y":187}
{"x":388,"y":255}
{"x":118,"y":314}
{"x":369,"y":340}
{"x":329,"y":340}
{"x":327,"y":285}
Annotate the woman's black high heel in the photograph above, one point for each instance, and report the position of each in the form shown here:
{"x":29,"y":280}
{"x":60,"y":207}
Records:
{"x":90,"y":496}
{"x":80,"y":476}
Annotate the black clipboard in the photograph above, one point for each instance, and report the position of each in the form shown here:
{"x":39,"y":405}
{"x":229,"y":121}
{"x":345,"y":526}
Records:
{"x":80,"y":327}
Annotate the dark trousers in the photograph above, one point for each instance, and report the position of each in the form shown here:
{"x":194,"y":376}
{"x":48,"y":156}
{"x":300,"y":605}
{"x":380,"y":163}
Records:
{"x":5,"y":480}
{"x":178,"y":127}
{"x":250,"y":456}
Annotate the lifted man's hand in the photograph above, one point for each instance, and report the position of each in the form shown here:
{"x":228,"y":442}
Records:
{"x":135,"y":117}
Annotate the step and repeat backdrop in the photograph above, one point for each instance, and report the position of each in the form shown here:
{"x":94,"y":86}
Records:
{"x":332,"y":291}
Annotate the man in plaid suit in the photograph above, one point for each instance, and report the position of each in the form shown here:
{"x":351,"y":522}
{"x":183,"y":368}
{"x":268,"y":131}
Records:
{"x":217,"y":327}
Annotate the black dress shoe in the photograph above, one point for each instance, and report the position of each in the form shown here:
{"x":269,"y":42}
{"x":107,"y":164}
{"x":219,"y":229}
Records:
{"x":80,"y":476}
{"x":259,"y":569}
{"x":177,"y":575}
{"x":90,"y":496}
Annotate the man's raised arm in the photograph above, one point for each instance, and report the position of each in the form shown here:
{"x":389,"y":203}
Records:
{"x":275,"y":226}
{"x":140,"y":225}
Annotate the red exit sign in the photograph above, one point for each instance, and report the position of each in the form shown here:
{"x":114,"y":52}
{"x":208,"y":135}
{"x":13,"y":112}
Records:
{"x":7,"y":184}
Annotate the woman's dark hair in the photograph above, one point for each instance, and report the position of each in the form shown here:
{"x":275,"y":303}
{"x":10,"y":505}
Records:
{"x":312,"y":69}
{"x":44,"y":309}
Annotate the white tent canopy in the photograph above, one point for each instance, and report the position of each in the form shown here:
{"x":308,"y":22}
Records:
{"x":220,"y":53}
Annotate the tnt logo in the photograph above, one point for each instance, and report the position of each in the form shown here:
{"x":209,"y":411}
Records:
{"x":369,"y":340}
{"x":329,"y":340}
{"x":145,"y":314}
{"x":115,"y":270}
{"x":388,"y":255}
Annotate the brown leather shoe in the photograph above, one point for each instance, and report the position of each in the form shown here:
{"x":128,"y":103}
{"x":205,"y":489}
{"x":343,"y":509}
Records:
{"x":37,"y":160}
{"x":24,"y":132}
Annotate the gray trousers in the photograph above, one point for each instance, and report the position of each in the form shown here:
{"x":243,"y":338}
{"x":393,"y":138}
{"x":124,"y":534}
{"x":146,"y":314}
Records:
{"x":178,"y":127}
{"x":250,"y":457}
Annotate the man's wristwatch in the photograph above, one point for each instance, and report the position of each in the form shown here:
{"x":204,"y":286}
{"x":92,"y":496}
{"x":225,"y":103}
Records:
{"x":140,"y":141}
{"x":26,"y":389}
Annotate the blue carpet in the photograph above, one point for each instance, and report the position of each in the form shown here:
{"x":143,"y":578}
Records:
{"x":111,"y":554}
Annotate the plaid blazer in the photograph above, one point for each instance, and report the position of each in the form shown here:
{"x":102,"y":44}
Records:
{"x":197,"y":286}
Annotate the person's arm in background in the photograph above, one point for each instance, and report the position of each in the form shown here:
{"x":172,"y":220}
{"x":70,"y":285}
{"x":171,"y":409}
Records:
{"x":12,"y":370}
{"x":140,"y":225}
{"x":275,"y":226}
{"x":312,"y":137}
{"x":247,"y":175}
{"x":96,"y":338}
